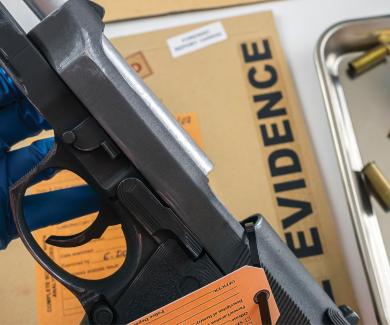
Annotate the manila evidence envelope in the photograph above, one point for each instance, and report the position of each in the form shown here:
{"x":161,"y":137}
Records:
{"x":233,"y":74}
{"x":229,"y":85}
{"x":131,"y":9}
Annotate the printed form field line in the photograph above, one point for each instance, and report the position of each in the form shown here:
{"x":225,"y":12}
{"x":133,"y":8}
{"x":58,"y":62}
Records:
{"x":202,"y":311}
{"x":222,"y":294}
{"x":192,"y":301}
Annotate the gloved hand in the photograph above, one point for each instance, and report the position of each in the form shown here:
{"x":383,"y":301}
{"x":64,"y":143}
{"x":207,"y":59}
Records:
{"x":20,"y":120}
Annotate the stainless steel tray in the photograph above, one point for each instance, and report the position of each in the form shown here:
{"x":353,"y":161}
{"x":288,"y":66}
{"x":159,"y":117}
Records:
{"x":359,"y":115}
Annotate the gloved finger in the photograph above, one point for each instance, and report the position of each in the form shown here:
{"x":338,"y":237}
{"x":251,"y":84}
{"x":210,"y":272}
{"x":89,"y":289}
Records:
{"x":19,"y":121}
{"x":9,"y":93}
{"x":20,"y":162}
{"x":42,"y":210}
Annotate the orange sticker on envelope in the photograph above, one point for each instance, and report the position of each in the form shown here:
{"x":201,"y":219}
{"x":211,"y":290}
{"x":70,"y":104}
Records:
{"x":229,"y":300}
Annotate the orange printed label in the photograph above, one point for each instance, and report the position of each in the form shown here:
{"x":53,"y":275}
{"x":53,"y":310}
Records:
{"x":190,"y":123}
{"x":138,"y":62}
{"x":229,"y":300}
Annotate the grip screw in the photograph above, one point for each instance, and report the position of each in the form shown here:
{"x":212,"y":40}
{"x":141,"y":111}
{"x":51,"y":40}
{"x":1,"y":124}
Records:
{"x":69,"y":137}
{"x":350,"y":315}
{"x":103,"y":315}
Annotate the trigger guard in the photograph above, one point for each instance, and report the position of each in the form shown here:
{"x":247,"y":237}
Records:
{"x":94,"y":231}
{"x":89,"y":292}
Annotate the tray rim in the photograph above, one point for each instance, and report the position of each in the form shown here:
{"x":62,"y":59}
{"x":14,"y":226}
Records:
{"x":365,"y":223}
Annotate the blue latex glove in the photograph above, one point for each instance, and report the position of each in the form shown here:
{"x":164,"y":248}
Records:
{"x":20,"y":120}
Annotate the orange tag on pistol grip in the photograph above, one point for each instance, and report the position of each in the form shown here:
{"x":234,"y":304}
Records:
{"x":229,"y":300}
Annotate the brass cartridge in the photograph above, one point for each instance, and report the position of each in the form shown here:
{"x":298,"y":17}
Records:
{"x":379,"y":184}
{"x":368,"y":60}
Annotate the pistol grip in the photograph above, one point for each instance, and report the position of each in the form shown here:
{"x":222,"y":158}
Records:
{"x":300,"y":299}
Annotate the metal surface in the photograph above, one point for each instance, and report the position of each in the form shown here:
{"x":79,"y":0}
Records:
{"x":359,"y":118}
{"x":156,"y":107}
{"x":43,"y":8}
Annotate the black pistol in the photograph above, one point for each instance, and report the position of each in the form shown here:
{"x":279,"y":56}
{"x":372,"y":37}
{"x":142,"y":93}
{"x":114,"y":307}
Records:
{"x":150,"y":177}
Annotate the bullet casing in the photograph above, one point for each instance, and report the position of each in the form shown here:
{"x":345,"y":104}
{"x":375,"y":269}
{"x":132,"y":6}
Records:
{"x":368,"y":60}
{"x":379,"y":184}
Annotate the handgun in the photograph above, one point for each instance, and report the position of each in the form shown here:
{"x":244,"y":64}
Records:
{"x":150,"y":177}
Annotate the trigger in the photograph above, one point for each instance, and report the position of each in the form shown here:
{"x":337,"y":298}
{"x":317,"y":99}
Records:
{"x":95,"y":231}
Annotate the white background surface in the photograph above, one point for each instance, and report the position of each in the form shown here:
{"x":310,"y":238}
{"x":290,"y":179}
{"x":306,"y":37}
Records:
{"x":300,"y":24}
